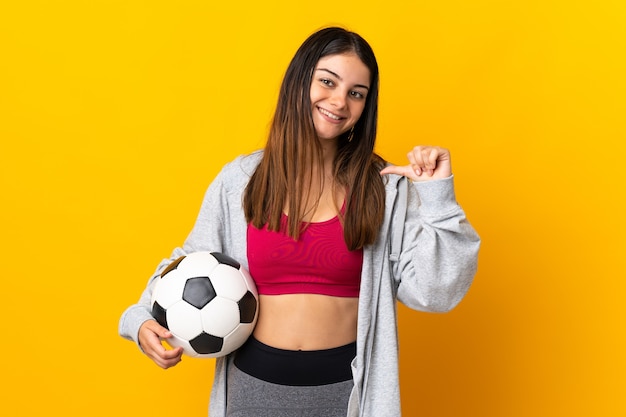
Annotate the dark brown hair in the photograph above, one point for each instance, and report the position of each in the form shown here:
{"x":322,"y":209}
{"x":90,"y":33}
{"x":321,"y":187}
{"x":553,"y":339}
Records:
{"x":284,"y":175}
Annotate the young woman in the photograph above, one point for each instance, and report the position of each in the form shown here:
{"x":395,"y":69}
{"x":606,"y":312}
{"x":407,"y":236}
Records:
{"x":333,"y":236}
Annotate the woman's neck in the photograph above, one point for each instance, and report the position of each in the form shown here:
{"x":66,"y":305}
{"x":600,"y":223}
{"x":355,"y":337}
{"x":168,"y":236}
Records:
{"x":329,"y":151}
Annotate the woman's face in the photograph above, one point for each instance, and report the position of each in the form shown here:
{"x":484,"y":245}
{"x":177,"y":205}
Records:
{"x":338,"y":91}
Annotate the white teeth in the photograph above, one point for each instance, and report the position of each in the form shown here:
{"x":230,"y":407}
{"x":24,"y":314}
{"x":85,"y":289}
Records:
{"x":329,"y":114}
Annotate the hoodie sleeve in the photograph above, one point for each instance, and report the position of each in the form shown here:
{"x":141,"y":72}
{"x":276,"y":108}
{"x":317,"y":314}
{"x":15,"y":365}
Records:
{"x":439,"y":254}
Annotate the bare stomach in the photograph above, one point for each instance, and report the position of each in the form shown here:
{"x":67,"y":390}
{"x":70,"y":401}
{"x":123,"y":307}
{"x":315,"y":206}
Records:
{"x":306,"y":321}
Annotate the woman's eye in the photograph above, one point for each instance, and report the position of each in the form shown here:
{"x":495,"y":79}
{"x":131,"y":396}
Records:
{"x":326,"y":81}
{"x":356,"y":94}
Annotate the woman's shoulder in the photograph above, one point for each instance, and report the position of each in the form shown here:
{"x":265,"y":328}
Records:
{"x":238,"y":171}
{"x":244,"y":164}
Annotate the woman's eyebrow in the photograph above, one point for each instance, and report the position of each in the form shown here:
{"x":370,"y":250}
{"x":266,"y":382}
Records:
{"x":339,"y":78}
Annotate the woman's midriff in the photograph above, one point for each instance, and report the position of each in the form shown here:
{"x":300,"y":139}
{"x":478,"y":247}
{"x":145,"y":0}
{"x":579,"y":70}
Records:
{"x":306,"y":321}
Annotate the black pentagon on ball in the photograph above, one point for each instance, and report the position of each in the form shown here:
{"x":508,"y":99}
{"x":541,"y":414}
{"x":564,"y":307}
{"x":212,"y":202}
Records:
{"x":199,"y":291}
{"x":225,"y":259}
{"x":206,"y":343}
{"x":247,"y":308}
{"x":159,"y":314}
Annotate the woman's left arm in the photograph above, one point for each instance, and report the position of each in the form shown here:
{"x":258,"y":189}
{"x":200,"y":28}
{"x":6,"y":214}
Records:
{"x":439,"y":253}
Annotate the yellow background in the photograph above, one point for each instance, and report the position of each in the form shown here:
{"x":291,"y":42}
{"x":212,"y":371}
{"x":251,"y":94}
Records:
{"x":115,"y":116}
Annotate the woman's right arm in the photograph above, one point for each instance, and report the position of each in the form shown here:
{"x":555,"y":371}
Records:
{"x":137,"y":323}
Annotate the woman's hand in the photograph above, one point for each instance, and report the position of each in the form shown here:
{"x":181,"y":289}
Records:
{"x":150,"y":335}
{"x":425,"y":163}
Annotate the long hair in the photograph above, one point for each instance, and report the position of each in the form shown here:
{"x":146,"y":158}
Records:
{"x":285,"y":173}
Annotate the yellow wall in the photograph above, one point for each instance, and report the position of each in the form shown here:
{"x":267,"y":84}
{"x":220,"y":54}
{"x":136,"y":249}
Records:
{"x":115,"y":115}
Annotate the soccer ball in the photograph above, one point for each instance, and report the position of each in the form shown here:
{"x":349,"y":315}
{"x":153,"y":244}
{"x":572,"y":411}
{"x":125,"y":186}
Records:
{"x":208,"y":301}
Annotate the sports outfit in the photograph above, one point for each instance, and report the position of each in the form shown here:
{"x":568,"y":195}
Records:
{"x":319,"y":262}
{"x":425,"y":256}
{"x":269,"y":382}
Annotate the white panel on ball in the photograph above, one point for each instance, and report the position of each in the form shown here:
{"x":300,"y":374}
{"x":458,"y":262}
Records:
{"x":228,"y":313}
{"x":170,"y":289}
{"x":228,"y":283}
{"x":184,"y":321}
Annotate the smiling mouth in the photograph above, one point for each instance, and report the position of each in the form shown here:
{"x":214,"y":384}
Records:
{"x":329,"y":114}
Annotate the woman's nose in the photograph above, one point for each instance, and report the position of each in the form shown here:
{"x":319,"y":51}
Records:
{"x":338,"y":99}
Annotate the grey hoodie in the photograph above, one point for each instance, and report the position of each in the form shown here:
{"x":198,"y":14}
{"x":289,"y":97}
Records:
{"x":425,"y":257}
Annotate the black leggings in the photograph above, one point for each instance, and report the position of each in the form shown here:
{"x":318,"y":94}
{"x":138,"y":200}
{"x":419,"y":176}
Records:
{"x":295,"y":367}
